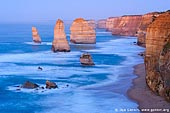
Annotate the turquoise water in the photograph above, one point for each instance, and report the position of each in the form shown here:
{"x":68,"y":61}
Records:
{"x":98,"y":89}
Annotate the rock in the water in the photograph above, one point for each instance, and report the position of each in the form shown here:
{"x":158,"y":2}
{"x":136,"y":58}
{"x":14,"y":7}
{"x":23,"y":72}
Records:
{"x":35,"y":35}
{"x":60,"y":43}
{"x":50,"y":85}
{"x":82,"y":32}
{"x":40,"y":68}
{"x":157,"y":58}
{"x":86,"y":59}
{"x":142,"y":54}
{"x":29,"y":85}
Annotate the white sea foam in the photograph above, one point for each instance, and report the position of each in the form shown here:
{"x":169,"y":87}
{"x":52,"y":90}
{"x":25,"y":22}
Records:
{"x":129,"y":50}
{"x":57,"y":59}
{"x":62,"y":87}
{"x":84,"y":101}
{"x":65,"y":67}
{"x":103,"y":32}
{"x":55,"y":71}
{"x":38,"y":57}
{"x":27,"y":63}
{"x":42,"y":43}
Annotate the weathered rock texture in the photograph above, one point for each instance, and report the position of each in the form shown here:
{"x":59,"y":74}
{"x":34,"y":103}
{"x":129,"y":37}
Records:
{"x":127,"y":26}
{"x":60,"y":42}
{"x":82,"y":32}
{"x":157,"y":59}
{"x":86,"y":59}
{"x":111,"y":22}
{"x":101,"y":24}
{"x":29,"y":85}
{"x":147,"y":19}
{"x":92,"y":23}
{"x":50,"y":85}
{"x":35,"y":35}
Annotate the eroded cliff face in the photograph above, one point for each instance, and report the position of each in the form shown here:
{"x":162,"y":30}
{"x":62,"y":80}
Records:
{"x":60,"y":42}
{"x":147,"y":19}
{"x":82,"y":32}
{"x":111,"y":22}
{"x":125,"y":25}
{"x":101,"y":24}
{"x":35,"y":35}
{"x":157,"y":59}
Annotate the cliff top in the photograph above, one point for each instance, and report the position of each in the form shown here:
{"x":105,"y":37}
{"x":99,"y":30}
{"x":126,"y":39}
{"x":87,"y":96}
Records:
{"x":153,"y":13}
{"x":125,"y":16}
{"x":112,"y":17}
{"x":59,"y":21}
{"x":90,"y":20}
{"x":130,"y":15}
{"x":162,"y":21}
{"x":102,"y":20}
{"x":34,"y":28}
{"x":79,"y":20}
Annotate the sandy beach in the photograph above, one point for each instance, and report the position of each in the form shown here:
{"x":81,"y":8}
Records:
{"x":148,"y":101}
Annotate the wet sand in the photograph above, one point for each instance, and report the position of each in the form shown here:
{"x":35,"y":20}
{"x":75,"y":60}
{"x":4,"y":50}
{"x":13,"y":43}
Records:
{"x":146,"y":99}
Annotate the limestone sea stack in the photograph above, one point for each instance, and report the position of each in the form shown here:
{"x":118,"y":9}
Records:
{"x":60,"y":43}
{"x":35,"y":35}
{"x":157,"y":58}
{"x":147,"y":19}
{"x":82,"y":32}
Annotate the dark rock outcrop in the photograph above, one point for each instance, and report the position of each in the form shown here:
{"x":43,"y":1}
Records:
{"x":29,"y":85}
{"x":50,"y":85}
{"x":40,"y":68}
{"x":86,"y":59}
{"x":157,"y":58}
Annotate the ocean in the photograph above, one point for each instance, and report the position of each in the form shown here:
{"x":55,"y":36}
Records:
{"x":96,"y":89}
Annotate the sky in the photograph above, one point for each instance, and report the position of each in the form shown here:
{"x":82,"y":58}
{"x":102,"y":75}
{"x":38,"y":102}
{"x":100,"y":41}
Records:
{"x":46,"y":10}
